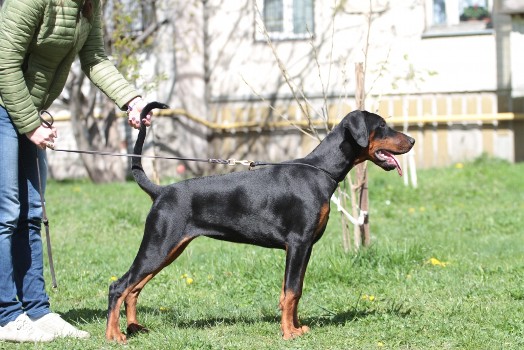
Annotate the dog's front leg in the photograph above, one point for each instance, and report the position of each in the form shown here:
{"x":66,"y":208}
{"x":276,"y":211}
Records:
{"x":297,"y":259}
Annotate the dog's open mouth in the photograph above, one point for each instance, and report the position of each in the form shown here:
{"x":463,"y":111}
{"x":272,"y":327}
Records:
{"x":388,"y":161}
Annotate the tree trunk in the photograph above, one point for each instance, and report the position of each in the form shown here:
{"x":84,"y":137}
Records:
{"x":95,"y":134}
{"x":362,"y":233}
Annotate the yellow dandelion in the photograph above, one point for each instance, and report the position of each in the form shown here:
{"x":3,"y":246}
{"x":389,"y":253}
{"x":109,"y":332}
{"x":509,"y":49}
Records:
{"x":436,"y":262}
{"x":114,"y":278}
{"x":183,"y":276}
{"x":368,"y":297}
{"x":409,"y":276}
{"x":411,"y":210}
{"x":163,"y":309}
{"x":459,"y":166}
{"x":189,"y":280}
{"x":422,"y":209}
{"x":380,"y":344}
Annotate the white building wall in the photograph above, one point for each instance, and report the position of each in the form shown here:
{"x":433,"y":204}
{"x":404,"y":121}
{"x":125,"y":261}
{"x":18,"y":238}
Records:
{"x":399,"y":59}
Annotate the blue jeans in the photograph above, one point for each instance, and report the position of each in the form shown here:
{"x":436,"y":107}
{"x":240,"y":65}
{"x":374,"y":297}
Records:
{"x":22,"y":285}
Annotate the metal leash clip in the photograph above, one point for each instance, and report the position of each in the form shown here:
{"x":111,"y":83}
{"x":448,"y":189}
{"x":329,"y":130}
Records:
{"x":245,"y":162}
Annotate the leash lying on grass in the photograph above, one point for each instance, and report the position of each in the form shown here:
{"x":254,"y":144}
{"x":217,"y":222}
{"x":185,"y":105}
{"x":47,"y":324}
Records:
{"x":45,"y":221}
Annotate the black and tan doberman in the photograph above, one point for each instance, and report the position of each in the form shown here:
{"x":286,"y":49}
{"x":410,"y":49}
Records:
{"x":283,"y":206}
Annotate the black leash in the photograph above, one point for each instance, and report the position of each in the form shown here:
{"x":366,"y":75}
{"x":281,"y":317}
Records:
{"x":254,"y":164}
{"x":250,"y":163}
{"x":114,"y":154}
{"x":46,"y":225}
{"x":45,"y":220}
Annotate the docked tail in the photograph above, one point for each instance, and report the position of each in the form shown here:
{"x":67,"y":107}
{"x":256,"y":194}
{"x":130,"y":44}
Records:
{"x":136,"y":166}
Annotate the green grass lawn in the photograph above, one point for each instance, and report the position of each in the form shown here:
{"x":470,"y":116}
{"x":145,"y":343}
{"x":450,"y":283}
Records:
{"x":445,"y":271}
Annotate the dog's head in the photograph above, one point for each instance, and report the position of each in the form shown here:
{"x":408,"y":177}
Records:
{"x":378,"y":142}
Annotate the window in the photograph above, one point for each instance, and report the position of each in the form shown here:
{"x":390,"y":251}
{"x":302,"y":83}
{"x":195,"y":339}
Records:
{"x":274,"y":15}
{"x":458,"y":15}
{"x":284,"y":19}
{"x":474,"y":10}
{"x":439,"y":12}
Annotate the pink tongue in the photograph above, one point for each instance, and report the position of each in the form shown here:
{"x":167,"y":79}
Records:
{"x":392,"y":157}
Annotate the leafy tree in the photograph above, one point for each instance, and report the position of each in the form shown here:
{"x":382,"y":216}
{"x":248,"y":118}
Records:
{"x":94,"y":118}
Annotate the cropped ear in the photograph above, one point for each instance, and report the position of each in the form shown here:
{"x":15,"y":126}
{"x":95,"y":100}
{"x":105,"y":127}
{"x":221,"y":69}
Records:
{"x":357,"y":127}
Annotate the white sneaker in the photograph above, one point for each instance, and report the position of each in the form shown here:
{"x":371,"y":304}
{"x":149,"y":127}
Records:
{"x":23,"y":330}
{"x":54,"y":324}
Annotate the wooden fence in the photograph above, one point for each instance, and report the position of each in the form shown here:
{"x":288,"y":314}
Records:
{"x":448,"y":129}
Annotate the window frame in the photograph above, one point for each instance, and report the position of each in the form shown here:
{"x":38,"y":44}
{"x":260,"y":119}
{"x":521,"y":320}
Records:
{"x":287,"y":32}
{"x":454,"y":26}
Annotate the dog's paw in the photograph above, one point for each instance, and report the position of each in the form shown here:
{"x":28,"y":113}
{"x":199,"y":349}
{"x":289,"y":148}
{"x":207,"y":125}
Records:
{"x":293,"y":332}
{"x":117,"y":336}
{"x":136,"y":328}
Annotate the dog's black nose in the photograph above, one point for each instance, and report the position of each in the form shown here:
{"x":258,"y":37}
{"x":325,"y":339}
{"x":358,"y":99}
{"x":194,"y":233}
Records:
{"x":411,"y":140}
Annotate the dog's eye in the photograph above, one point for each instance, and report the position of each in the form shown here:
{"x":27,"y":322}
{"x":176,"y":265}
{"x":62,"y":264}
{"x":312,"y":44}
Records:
{"x":382,"y":124}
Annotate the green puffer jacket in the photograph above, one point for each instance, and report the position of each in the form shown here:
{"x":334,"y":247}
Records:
{"x":39,"y":40}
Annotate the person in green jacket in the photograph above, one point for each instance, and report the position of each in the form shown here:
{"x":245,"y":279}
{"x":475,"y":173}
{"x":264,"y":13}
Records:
{"x":39,"y":40}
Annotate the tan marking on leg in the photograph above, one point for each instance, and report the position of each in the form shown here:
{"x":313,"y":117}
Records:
{"x":130,"y":296}
{"x":132,"y":293}
{"x":290,"y":325}
{"x":113,"y":327}
{"x":130,"y":305}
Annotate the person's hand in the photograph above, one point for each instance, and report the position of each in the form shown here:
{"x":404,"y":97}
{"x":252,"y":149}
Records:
{"x":43,"y":136}
{"x":134,"y":109}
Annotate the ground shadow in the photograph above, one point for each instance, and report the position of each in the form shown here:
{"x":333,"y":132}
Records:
{"x":84,"y":316}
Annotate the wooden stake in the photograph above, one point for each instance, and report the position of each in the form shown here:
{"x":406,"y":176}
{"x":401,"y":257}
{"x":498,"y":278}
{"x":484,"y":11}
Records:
{"x":362,"y":233}
{"x":346,"y":238}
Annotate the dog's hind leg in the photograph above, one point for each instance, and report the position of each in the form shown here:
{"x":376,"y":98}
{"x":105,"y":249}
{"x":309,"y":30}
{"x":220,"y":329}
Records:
{"x":130,"y":303}
{"x":132,"y":297}
{"x":128,"y":287}
{"x":296,"y":263}
{"x":116,"y":297}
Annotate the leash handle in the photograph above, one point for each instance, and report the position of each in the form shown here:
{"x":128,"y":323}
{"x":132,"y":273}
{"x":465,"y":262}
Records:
{"x":44,"y":121}
{"x":45,"y":221}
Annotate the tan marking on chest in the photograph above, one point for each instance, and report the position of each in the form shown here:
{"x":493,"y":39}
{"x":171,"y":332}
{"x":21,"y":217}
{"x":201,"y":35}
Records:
{"x":322,"y":218}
